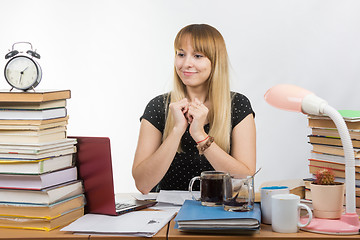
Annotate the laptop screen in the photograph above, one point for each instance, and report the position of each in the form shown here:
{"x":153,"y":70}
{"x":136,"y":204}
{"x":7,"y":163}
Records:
{"x":95,"y":169}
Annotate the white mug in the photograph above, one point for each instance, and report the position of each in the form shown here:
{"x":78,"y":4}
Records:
{"x":266,"y":194}
{"x":285,"y":214}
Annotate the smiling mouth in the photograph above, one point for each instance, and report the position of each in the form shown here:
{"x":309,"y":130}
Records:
{"x":189,"y":73}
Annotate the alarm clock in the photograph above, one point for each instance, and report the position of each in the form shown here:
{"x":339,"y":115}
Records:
{"x":22,"y":71}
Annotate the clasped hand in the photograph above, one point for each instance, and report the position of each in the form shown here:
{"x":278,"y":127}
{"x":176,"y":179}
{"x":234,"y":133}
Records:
{"x":193,"y":113}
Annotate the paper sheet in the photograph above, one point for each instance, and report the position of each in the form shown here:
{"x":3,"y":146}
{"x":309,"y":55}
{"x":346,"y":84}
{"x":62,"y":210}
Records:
{"x":175,"y":197}
{"x":167,"y":200}
{"x":166,"y":206}
{"x":148,"y":223}
{"x":149,"y":196}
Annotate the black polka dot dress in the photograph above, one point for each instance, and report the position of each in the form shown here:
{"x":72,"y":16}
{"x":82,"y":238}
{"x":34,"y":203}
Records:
{"x":189,"y":163}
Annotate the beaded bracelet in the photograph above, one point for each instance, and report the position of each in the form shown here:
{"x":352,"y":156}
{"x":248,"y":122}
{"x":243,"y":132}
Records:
{"x":202,"y":140}
{"x":207,"y":144}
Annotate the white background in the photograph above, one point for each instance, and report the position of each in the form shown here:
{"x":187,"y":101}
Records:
{"x":117,"y":55}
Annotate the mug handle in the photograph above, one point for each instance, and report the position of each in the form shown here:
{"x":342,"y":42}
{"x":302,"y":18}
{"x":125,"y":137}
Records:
{"x":301,"y":205}
{"x":191,"y":183}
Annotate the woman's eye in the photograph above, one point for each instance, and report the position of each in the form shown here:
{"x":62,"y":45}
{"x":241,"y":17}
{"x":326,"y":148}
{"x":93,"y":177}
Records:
{"x":198,"y":56}
{"x":180,"y":54}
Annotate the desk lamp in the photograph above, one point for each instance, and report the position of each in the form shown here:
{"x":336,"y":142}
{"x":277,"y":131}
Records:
{"x":294,"y":98}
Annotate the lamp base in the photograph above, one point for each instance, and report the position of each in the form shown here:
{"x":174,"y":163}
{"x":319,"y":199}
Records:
{"x":348,"y":224}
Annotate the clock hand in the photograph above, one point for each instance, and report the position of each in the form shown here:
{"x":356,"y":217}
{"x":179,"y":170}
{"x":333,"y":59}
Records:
{"x":21,"y":74}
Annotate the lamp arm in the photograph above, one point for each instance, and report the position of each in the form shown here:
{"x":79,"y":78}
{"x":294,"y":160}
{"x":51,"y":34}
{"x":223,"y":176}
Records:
{"x":349,"y":157}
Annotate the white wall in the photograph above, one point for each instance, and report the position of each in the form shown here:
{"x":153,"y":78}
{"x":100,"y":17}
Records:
{"x":116,"y":55}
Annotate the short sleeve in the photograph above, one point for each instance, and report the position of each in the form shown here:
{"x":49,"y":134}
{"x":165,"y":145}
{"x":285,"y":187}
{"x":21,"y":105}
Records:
{"x":155,"y":112}
{"x":240,"y":108}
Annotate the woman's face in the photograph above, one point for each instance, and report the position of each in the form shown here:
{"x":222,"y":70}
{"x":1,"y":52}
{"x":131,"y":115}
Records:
{"x":193,"y":68}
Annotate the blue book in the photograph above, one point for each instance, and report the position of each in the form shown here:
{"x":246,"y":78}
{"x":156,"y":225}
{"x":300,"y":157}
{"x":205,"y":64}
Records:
{"x":193,"y":216}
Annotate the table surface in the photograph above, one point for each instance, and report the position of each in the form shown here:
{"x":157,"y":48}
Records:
{"x":265,"y":233}
{"x":17,"y":234}
{"x":167,"y":232}
{"x":38,"y":234}
{"x":161,"y":235}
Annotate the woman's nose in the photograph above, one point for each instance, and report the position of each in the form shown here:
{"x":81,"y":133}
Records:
{"x":188,"y":61}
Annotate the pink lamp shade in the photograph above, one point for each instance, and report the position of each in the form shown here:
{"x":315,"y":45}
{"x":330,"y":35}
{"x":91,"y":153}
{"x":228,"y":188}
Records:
{"x":286,"y":97}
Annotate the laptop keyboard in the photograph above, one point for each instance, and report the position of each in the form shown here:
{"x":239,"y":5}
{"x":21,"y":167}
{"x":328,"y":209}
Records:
{"x":120,"y":206}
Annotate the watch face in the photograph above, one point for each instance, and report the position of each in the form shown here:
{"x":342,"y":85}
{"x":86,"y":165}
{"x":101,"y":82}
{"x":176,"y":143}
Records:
{"x":22,"y":72}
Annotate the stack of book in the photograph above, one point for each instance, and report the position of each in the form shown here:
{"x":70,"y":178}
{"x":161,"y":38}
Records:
{"x":327,"y":149}
{"x":39,"y":186}
{"x":194,"y":217}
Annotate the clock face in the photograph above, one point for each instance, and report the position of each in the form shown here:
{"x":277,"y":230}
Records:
{"x":22,"y":72}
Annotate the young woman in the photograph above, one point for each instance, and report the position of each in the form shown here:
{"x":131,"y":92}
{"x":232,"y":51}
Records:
{"x":200,"y":125}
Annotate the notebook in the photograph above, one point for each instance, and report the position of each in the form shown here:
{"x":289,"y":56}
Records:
{"x":95,"y":169}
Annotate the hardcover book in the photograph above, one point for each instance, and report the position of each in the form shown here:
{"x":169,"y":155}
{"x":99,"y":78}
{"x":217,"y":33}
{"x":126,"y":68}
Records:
{"x":20,"y":114}
{"x":35,"y":166}
{"x":45,"y":211}
{"x":38,"y":182}
{"x":32,"y":105}
{"x":333,"y":141}
{"x":42,"y":223}
{"x":44,"y":196}
{"x":333,"y":150}
{"x":36,"y":148}
{"x":30,"y":124}
{"x":331,"y":158}
{"x":333,"y":132}
{"x":38,"y":96}
{"x":61,"y":151}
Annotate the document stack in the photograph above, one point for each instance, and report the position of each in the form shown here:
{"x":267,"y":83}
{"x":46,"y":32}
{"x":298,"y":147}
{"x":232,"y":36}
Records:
{"x":194,"y":217}
{"x":39,"y":186}
{"x":328,"y":151}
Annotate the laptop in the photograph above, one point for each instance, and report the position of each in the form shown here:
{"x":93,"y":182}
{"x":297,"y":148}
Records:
{"x":93,"y":160}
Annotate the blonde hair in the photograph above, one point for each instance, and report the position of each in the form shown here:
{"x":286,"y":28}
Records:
{"x":208,"y":41}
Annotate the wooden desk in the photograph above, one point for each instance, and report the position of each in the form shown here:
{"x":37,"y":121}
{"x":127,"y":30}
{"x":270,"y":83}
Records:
{"x":265,"y":233}
{"x":15,"y":234}
{"x":171,"y":233}
{"x":161,"y":235}
{"x":20,"y":234}
{"x":167,"y":232}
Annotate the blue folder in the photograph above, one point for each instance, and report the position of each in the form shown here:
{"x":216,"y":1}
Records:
{"x":194,"y":216}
